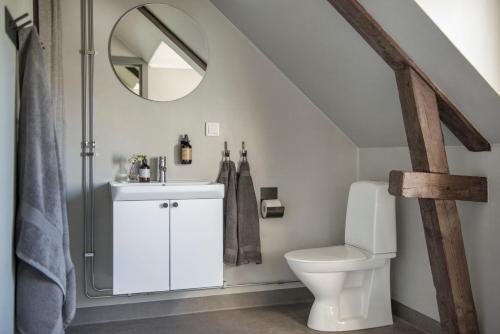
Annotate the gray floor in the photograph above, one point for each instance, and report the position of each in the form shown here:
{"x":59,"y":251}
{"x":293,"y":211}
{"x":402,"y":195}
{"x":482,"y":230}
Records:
{"x":285,"y":319}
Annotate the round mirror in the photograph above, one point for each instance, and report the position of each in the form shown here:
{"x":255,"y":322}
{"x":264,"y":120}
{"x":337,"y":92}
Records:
{"x":158,"y":52}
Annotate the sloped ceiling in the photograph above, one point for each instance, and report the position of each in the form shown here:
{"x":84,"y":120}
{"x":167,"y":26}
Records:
{"x":325,"y":58}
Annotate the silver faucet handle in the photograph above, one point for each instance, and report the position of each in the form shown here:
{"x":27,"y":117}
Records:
{"x":162,"y":167}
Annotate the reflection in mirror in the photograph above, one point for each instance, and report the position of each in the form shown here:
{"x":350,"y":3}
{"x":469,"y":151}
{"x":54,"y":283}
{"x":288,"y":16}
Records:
{"x":158,"y":52}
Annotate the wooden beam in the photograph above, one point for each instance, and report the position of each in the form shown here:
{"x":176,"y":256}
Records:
{"x":440,"y":217}
{"x":397,"y":59}
{"x":438,"y":186}
{"x":173,"y":37}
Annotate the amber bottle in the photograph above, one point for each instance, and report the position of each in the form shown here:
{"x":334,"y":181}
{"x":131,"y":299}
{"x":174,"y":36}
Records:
{"x":186,"y":151}
{"x":144,"y":171}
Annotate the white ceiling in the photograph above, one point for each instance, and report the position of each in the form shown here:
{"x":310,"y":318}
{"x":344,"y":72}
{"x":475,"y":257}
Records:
{"x":325,"y":58}
{"x":166,"y":57}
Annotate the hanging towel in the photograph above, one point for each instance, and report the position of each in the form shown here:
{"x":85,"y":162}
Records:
{"x":50,"y":19}
{"x":45,"y":292}
{"x":228,"y":177}
{"x":248,"y":218}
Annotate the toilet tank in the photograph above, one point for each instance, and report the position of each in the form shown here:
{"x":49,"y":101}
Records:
{"x":371,"y":217}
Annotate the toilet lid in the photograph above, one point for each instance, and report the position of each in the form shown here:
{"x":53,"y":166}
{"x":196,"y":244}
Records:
{"x":333,"y":253}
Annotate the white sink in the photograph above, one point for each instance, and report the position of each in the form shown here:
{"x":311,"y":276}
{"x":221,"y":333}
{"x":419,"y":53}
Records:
{"x":175,"y":189}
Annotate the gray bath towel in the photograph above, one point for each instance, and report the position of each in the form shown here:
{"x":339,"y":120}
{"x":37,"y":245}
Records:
{"x":228,"y":177}
{"x":45,"y":292}
{"x":248,"y":218}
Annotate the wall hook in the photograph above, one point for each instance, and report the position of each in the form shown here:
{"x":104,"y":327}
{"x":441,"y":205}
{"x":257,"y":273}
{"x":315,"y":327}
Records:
{"x":227,"y":153}
{"x":244,"y":152}
{"x":12,"y":28}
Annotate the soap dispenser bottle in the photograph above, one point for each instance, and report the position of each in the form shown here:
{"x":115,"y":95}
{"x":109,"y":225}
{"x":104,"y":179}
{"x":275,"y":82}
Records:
{"x":144,"y":171}
{"x":186,"y":151}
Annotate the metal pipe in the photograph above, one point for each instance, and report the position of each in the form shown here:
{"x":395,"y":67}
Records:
{"x":88,"y":143}
{"x":92,"y":142}
{"x":84,"y":143}
{"x":225,"y":286}
{"x":90,"y":38}
{"x":237,"y":285}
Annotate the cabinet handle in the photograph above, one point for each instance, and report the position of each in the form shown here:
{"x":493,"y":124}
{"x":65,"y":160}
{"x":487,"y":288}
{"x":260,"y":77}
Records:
{"x":164,"y":205}
{"x":175,"y":204}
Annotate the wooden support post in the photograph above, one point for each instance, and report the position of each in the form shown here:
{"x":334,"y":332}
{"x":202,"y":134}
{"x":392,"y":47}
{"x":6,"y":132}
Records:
{"x":438,"y":186}
{"x":440,"y":217}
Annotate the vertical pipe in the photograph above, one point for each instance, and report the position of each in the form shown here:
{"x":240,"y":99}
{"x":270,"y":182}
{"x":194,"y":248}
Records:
{"x":92,"y":144}
{"x":90,"y":102}
{"x":90,"y":38}
{"x":84,"y":109}
{"x":83,"y":53}
{"x":88,"y":141}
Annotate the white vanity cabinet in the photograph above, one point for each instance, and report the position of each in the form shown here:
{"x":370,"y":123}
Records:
{"x":141,"y":251}
{"x":171,"y":240}
{"x":196,"y":244}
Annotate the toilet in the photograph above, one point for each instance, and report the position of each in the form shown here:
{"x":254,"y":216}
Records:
{"x":351,"y":282}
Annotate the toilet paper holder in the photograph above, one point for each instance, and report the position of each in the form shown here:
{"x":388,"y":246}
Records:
{"x":268,"y":206}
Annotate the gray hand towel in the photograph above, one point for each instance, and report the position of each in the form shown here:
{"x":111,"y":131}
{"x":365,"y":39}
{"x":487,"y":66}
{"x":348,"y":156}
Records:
{"x":45,"y":292}
{"x":227,"y":176}
{"x":248,"y":218}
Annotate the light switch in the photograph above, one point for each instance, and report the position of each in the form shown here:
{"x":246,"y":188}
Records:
{"x":212,"y":129}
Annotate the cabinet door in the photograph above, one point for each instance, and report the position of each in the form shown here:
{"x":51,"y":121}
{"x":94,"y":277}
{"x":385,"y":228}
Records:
{"x":140,"y":246}
{"x":196,"y":244}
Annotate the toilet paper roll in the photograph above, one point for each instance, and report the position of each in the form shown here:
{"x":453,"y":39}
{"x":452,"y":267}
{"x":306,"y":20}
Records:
{"x":272,"y":208}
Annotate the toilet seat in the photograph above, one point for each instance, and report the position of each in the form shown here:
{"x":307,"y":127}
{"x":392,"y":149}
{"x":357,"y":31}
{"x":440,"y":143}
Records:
{"x":335,"y":258}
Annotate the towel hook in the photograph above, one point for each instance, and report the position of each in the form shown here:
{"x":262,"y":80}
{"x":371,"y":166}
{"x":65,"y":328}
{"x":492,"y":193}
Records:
{"x":243,"y":151}
{"x":25,"y":24}
{"x":227,"y":153}
{"x":11,"y":25}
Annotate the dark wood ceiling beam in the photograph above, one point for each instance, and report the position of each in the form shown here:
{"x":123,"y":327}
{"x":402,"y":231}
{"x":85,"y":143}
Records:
{"x":373,"y":33}
{"x":173,"y":37}
{"x":438,"y":186}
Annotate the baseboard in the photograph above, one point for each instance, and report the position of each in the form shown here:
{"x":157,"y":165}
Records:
{"x":417,"y":319}
{"x":157,"y":309}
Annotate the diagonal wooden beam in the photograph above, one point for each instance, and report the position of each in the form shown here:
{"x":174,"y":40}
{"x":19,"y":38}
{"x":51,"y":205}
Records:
{"x":397,"y":59}
{"x":438,"y":186}
{"x":440,"y":217}
{"x":173,"y":37}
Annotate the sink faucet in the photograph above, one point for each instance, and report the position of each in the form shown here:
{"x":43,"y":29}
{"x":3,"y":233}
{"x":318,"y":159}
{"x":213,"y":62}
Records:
{"x":162,"y":167}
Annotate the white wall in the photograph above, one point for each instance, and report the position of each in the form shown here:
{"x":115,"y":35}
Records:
{"x":411,"y":276}
{"x":291,"y":143}
{"x":167,"y":84}
{"x":474,"y":28}
{"x":120,"y":50}
{"x":7,"y":173}
{"x":7,"y":177}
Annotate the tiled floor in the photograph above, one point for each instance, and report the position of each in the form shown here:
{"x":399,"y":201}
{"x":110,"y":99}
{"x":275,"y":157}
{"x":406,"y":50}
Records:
{"x":287,"y":319}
